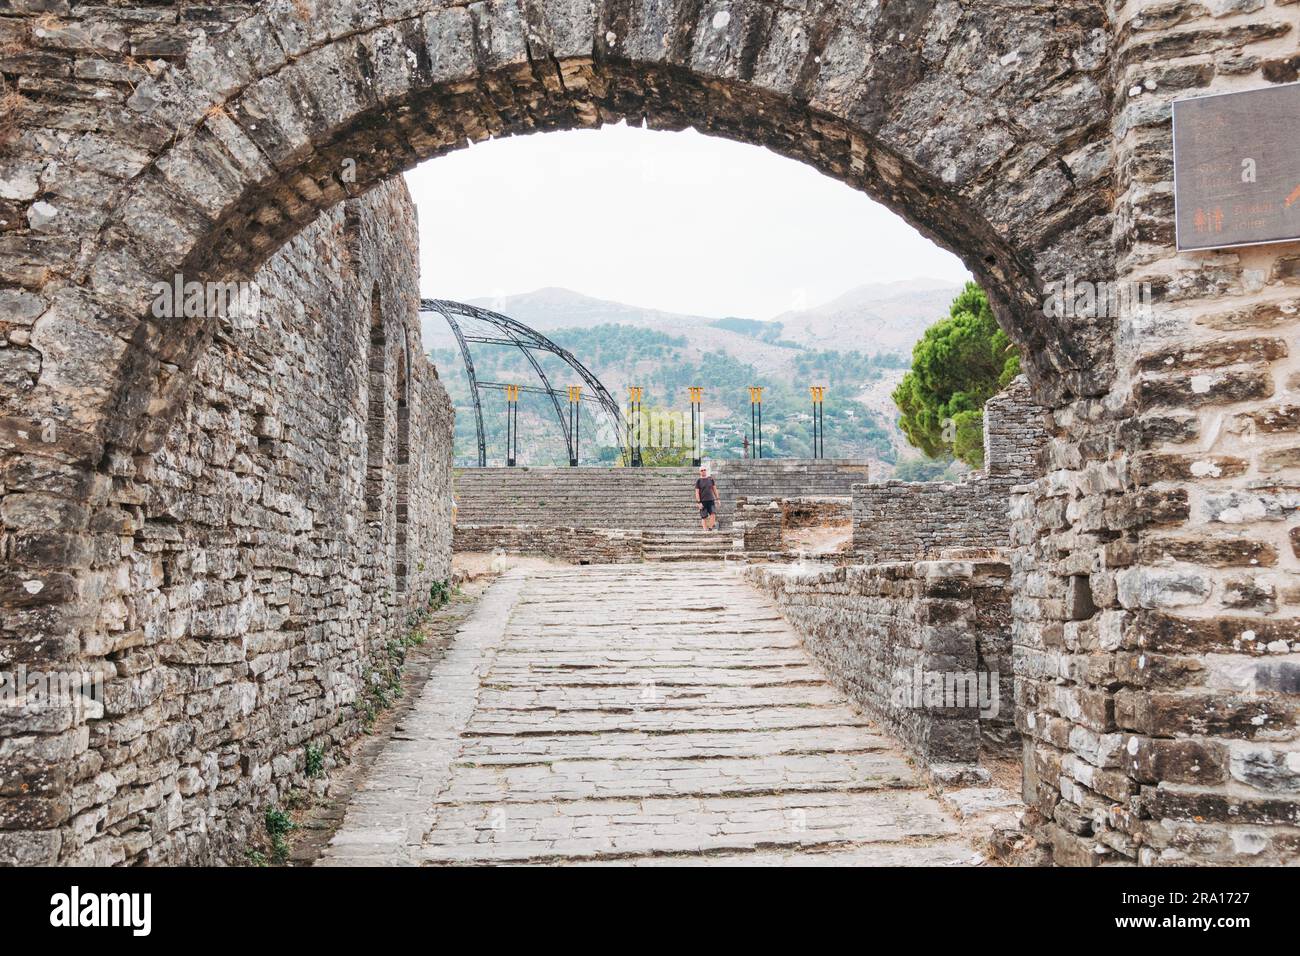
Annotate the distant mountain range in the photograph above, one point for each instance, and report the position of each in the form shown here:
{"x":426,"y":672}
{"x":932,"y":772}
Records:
{"x":890,"y":316}
{"x":879,"y":322}
{"x":883,"y":317}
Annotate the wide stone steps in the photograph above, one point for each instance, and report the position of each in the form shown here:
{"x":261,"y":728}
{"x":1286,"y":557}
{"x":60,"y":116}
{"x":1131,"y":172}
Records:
{"x":669,"y":510}
{"x":686,"y":545}
{"x":644,"y":498}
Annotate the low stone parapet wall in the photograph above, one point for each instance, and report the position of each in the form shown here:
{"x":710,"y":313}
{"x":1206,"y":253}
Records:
{"x":789,"y":478}
{"x":579,"y":545}
{"x":830,"y":559}
{"x":915,"y":520}
{"x":923,"y":646}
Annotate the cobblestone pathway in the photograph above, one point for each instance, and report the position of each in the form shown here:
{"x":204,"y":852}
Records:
{"x":637,"y":714}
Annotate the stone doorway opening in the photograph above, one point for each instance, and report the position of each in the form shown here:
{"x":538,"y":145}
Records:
{"x":239,"y":149}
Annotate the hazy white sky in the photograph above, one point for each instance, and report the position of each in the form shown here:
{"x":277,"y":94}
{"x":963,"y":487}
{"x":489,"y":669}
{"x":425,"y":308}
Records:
{"x":675,"y":221}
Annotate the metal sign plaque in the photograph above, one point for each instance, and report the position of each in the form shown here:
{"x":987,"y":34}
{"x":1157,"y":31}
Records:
{"x":1237,"y":168}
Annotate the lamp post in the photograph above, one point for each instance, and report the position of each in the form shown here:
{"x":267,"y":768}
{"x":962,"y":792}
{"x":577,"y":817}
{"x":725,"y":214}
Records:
{"x":819,"y":420}
{"x":634,"y":422}
{"x":756,"y":418}
{"x":697,"y":423}
{"x":512,"y":424}
{"x":575,"y":422}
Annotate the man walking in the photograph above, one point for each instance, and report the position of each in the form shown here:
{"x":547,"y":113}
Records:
{"x":706,"y":494}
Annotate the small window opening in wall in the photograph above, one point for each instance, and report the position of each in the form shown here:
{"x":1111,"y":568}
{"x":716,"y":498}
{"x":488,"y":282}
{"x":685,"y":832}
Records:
{"x":1079,"y":605}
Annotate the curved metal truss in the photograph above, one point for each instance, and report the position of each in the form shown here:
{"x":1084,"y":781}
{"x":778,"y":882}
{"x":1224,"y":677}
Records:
{"x":528,"y":341}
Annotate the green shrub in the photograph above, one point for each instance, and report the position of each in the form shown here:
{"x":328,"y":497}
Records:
{"x":315,"y":761}
{"x":279,"y":825}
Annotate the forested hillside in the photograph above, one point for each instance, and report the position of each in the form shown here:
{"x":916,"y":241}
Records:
{"x":665,"y":353}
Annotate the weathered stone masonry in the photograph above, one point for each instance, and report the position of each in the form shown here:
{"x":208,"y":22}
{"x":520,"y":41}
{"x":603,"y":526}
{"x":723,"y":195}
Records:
{"x":896,"y":613}
{"x":1155,"y":574}
{"x":912,"y":520}
{"x":579,"y":545}
{"x":248,"y":573}
{"x":884,"y":631}
{"x":762,"y":524}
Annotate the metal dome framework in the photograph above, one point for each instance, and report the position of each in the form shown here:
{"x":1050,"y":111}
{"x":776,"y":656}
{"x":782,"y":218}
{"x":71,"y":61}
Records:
{"x":513,"y":333}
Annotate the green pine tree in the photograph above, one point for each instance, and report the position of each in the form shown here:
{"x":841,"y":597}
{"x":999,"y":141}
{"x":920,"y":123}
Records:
{"x":959,"y":364}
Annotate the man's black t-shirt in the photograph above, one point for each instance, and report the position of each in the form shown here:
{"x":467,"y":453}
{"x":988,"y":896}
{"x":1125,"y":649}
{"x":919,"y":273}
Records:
{"x":708,"y":489}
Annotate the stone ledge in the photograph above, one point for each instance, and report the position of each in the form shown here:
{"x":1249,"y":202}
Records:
{"x":886,"y":632}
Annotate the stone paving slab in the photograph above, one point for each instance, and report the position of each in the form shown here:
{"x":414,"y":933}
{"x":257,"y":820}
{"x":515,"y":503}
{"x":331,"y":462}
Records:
{"x":636,"y":745}
{"x":664,"y":721}
{"x":669,"y":638}
{"x":393,"y":808}
{"x":639,"y":715}
{"x":951,"y":852}
{"x":552,"y":675}
{"x":634,"y":699}
{"x":560,"y":658}
{"x":585,"y":829}
{"x":770,"y":773}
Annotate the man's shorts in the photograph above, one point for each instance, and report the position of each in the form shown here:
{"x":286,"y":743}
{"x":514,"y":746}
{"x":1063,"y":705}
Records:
{"x":707,"y":508}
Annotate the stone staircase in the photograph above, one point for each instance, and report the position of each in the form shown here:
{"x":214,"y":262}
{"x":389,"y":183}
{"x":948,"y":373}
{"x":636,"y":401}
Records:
{"x":660,"y":499}
{"x":678,"y":545}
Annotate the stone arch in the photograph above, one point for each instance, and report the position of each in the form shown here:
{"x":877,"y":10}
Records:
{"x":223,"y":157}
{"x":251,"y":139}
{"x":1031,"y":137}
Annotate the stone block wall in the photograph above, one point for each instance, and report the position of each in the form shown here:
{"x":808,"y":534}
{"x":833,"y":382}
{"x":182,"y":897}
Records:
{"x":648,"y":498}
{"x":149,"y":138}
{"x":888,"y":633}
{"x":1015,"y":433}
{"x":901,"y":520}
{"x":254,"y":568}
{"x":757,"y":524}
{"x":760,"y":524}
{"x":1157,"y":562}
{"x":579,"y":545}
{"x":788,"y":478}
{"x":816,"y":512}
